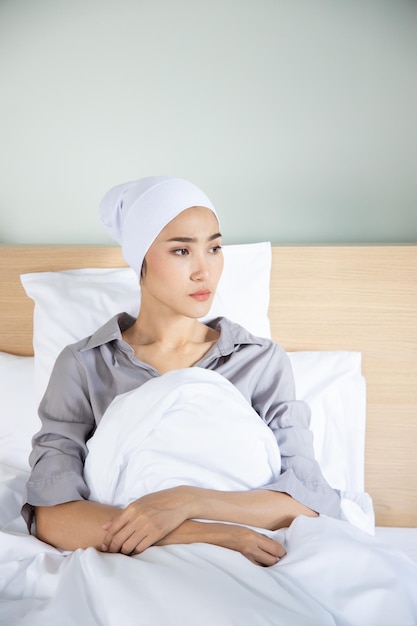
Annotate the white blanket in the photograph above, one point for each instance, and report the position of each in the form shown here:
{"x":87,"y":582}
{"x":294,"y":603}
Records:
{"x":333,"y":573}
{"x":190,"y":426}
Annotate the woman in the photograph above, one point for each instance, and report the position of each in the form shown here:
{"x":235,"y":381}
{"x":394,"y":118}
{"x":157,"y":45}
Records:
{"x":170,"y":235}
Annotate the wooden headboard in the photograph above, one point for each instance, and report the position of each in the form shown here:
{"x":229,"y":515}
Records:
{"x":361,"y":298}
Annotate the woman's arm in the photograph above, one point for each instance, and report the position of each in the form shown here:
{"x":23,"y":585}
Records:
{"x":73,"y":525}
{"x":81,"y":524}
{"x":149,"y":519}
{"x":261,"y":507}
{"x":273,"y":398}
{"x":59,"y":448}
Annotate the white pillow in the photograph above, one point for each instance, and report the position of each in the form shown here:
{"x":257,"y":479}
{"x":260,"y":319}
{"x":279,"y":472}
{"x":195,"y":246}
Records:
{"x":18,"y":416}
{"x":71,"y":305}
{"x":333,"y":385}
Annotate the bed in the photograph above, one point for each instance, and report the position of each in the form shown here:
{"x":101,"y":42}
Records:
{"x":347,"y":316}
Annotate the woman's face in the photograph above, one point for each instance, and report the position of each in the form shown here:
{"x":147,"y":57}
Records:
{"x":184,"y":264}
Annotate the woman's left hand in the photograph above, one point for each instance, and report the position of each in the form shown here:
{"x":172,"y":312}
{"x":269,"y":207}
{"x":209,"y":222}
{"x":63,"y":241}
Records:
{"x":146,"y":521}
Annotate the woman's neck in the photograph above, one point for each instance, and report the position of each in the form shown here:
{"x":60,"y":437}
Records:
{"x":170,"y":333}
{"x":172,"y":346}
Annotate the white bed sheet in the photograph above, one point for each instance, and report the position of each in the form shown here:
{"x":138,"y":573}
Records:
{"x":404,"y":539}
{"x":333,"y":573}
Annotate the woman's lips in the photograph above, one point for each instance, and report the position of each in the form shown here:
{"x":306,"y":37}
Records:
{"x":201,"y":296}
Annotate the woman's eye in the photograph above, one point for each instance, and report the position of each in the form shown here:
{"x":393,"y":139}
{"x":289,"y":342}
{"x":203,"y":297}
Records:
{"x":215,"y":249}
{"x":181,"y":251}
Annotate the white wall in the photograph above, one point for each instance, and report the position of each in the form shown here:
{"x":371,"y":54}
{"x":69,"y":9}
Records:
{"x":297,"y":117}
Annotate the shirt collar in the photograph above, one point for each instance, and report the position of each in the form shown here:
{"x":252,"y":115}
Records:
{"x":231,"y":334}
{"x":110,"y":331}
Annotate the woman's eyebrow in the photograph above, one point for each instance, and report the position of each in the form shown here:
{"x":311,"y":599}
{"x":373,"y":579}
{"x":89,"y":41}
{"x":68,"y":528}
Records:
{"x":193,"y":239}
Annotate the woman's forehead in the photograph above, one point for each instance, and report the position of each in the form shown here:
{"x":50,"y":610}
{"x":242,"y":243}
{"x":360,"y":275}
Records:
{"x":192,"y":221}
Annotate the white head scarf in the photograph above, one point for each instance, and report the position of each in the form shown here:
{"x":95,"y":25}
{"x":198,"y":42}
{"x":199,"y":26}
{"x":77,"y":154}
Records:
{"x":134,"y":213}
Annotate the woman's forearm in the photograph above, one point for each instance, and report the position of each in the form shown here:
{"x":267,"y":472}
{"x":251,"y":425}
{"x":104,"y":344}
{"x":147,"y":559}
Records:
{"x":255,"y":546}
{"x":262,"y":508}
{"x":73,"y":525}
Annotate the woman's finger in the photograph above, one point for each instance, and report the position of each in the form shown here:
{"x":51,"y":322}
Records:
{"x":135,"y":545}
{"x":274,"y":547}
{"x":119,"y":541}
{"x":117,"y":531}
{"x":262,"y":550}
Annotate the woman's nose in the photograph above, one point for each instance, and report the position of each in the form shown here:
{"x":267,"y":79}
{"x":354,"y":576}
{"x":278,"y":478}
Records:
{"x":200,"y":269}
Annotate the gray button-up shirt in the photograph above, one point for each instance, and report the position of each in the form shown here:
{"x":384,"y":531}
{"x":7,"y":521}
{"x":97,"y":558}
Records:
{"x":90,"y":373}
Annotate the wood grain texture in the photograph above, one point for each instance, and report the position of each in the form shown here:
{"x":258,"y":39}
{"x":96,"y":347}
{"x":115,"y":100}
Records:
{"x":364,"y":299}
{"x":361,"y":298}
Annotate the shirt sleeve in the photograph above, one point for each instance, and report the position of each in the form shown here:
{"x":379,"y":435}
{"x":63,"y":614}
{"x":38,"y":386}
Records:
{"x":274,"y":399}
{"x":59,"y":448}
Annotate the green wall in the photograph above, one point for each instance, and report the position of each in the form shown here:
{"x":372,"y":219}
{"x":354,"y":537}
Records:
{"x":297,"y":117}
